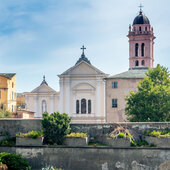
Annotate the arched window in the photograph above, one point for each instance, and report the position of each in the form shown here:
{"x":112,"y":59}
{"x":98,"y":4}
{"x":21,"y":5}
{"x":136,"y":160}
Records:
{"x":143,"y":63}
{"x":145,"y":28}
{"x":136,"y":49}
{"x":77,"y":106}
{"x":89,"y":106}
{"x":142,"y":49}
{"x":140,"y":29}
{"x":83,"y":106}
{"x":44,"y":106}
{"x":136,"y":63}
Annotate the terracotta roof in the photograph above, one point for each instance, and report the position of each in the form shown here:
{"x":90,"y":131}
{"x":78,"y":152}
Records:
{"x":8,"y":75}
{"x":139,"y":73}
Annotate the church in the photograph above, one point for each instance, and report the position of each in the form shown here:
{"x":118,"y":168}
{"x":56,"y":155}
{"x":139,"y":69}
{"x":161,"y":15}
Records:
{"x":87,"y":94}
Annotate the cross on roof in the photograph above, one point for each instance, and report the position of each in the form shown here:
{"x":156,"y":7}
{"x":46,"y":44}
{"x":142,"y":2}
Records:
{"x":83,"y":48}
{"x":140,"y":6}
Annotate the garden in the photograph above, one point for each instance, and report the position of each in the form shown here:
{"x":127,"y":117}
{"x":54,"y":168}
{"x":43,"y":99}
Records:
{"x":56,"y":132}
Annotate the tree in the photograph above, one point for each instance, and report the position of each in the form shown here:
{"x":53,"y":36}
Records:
{"x":55,"y":127}
{"x":5,"y":114}
{"x":151,"y":103}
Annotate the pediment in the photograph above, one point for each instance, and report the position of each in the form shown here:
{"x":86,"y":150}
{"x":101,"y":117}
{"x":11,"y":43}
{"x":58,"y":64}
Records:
{"x":83,"y":86}
{"x":83,"y":68}
{"x":43,"y":89}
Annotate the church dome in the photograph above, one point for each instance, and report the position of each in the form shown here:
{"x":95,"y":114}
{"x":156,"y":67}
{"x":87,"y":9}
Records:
{"x":141,"y":19}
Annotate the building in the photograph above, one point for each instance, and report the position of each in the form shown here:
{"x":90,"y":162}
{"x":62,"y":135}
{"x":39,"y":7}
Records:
{"x":8,"y":91}
{"x":82,"y":92}
{"x":42,"y":99}
{"x":20,"y":101}
{"x":141,"y":43}
{"x":81,"y":96}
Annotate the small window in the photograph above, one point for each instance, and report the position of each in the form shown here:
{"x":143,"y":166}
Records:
{"x":44,"y":106}
{"x":89,"y":106}
{"x":114,"y":84}
{"x":12,"y":85}
{"x":77,"y":106}
{"x":143,"y":63}
{"x":145,"y":28}
{"x":136,"y":49}
{"x":140,"y":29}
{"x":12,"y":108}
{"x":12,"y":95}
{"x":2,"y":107}
{"x":0,"y":94}
{"x":114,"y":103}
{"x":136,"y":63}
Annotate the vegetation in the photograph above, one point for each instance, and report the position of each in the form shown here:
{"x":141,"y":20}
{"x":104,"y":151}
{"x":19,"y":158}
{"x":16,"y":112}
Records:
{"x":32,"y":134}
{"x":77,"y":135}
{"x":3,"y":166}
{"x":14,"y":161}
{"x":8,"y":142}
{"x":158,"y":134}
{"x":120,"y":132}
{"x":4,"y":133}
{"x":51,"y":168}
{"x":141,"y":143}
{"x":152,"y":100}
{"x":55,"y":127}
{"x":5,"y":114}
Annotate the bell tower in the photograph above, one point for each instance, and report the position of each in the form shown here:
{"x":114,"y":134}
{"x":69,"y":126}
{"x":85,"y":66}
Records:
{"x":141,"y":42}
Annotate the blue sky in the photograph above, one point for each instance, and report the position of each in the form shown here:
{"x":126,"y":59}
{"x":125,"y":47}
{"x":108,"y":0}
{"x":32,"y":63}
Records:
{"x":44,"y":37}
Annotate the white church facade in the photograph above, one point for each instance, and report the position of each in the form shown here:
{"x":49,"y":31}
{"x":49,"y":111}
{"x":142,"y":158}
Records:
{"x":81,"y":96}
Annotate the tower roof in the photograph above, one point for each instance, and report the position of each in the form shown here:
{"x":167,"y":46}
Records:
{"x":141,"y":19}
{"x":83,"y":57}
{"x":44,"y":81}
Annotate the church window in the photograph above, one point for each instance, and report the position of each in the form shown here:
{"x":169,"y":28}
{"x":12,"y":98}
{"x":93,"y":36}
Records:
{"x":114,"y":103}
{"x":77,"y":106}
{"x":143,"y":63}
{"x":136,"y":63}
{"x":114,"y":84}
{"x":83,"y":106}
{"x":44,"y":106}
{"x":136,"y":49}
{"x":142,"y":49}
{"x":145,"y":28}
{"x":89,"y":106}
{"x":140,"y":29}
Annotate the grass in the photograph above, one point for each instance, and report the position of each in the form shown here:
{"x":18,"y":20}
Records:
{"x":158,"y":134}
{"x":77,"y":135}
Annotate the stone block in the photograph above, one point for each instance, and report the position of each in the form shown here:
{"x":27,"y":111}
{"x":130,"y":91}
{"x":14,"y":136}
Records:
{"x":29,"y":141}
{"x":116,"y":142}
{"x":159,"y":142}
{"x":73,"y":141}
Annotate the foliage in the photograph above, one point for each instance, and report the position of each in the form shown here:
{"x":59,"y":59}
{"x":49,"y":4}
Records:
{"x":14,"y":161}
{"x":32,"y":134}
{"x":141,"y":143}
{"x":77,"y":135}
{"x":4,"y":133}
{"x":152,"y":100}
{"x":120,"y":132}
{"x":158,"y":134}
{"x":51,"y":168}
{"x":55,"y":127}
{"x":3,"y":166}
{"x":5,"y":114}
{"x":8,"y":142}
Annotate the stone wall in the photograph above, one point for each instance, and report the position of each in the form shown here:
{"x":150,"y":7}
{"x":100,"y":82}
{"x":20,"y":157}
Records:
{"x":94,"y":130}
{"x":90,"y":158}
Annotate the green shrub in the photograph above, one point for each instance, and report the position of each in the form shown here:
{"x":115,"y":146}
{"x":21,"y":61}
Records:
{"x":141,"y":143}
{"x":8,"y":142}
{"x":55,"y":127}
{"x":4,"y":133}
{"x":77,"y":135}
{"x":121,"y":135}
{"x":158,"y":134}
{"x":32,"y":134}
{"x":14,"y":161}
{"x":5,"y":114}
